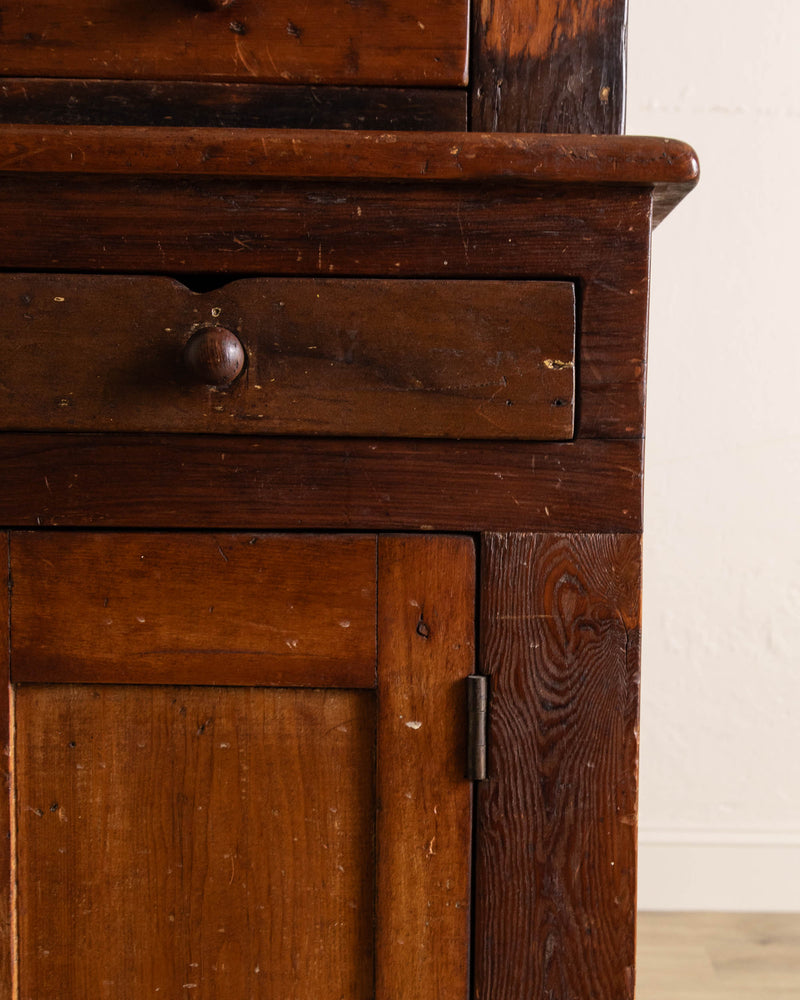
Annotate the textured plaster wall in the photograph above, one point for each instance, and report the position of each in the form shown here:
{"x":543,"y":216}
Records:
{"x":720,"y":750}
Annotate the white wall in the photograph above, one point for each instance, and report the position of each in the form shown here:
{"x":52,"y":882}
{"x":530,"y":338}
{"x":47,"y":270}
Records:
{"x":720,"y":752}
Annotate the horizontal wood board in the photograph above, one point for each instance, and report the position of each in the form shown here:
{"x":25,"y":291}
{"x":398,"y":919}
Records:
{"x":198,"y":104}
{"x":556,"y":820}
{"x":318,"y":41}
{"x":446,"y":359}
{"x":226,"y":483}
{"x":548,"y":66}
{"x":426,"y":625}
{"x":193,"y":609}
{"x":300,"y":155}
{"x":596,"y":236}
{"x":195,"y":841}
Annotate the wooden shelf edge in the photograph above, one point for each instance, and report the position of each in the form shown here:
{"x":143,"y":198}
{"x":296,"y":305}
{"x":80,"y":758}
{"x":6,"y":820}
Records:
{"x":668,"y":166}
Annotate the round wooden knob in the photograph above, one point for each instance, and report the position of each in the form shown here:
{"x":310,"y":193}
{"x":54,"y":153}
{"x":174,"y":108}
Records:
{"x":214,"y":356}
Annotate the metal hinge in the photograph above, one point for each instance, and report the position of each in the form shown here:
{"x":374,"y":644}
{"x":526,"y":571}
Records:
{"x":477,"y":719}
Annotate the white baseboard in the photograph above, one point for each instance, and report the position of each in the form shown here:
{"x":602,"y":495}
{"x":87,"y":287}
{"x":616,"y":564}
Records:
{"x":719,"y":870}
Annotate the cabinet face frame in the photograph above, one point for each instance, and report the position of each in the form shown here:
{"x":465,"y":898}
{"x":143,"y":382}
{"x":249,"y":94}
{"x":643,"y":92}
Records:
{"x":425,"y":630}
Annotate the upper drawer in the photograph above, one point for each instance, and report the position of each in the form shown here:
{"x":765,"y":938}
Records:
{"x":382,"y":358}
{"x":273,"y":41}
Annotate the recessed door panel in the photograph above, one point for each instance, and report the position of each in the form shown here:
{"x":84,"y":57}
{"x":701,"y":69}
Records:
{"x":252,"y":839}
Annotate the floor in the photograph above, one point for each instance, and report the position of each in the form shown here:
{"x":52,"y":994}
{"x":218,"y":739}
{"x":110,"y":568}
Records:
{"x":718,"y":956}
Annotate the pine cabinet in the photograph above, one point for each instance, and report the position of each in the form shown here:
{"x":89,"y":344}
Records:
{"x":322,"y":379}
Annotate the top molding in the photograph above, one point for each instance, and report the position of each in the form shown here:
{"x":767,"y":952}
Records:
{"x":667,"y":166}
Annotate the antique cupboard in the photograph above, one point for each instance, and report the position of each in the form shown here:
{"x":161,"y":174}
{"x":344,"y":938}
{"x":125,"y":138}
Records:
{"x":323,"y":351}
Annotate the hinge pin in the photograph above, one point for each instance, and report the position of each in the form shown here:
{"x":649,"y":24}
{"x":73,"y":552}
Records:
{"x":477,"y":715}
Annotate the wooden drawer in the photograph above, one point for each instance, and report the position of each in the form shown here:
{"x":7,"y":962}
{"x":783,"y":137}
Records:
{"x":390,"y":358}
{"x":280,"y":41}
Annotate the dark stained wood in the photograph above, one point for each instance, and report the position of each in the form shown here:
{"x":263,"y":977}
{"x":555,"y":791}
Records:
{"x":360,"y":156}
{"x":96,"y":480}
{"x":213,"y":356}
{"x":7,"y":852}
{"x":548,"y":66}
{"x":202,"y":104}
{"x":556,"y":819}
{"x":426,"y":628}
{"x":283,"y":41}
{"x":222,"y":227}
{"x":497,"y":231}
{"x":195,"y":841}
{"x":193,"y":609}
{"x":454,"y":359}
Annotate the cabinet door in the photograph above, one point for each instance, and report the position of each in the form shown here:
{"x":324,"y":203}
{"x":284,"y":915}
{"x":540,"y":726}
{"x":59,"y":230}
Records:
{"x":238,"y":766}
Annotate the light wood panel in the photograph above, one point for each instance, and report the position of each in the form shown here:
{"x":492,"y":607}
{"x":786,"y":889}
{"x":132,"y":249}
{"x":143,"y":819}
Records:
{"x":216,"y":837}
{"x":718,"y":956}
{"x":425,"y":634}
{"x":193,"y":609}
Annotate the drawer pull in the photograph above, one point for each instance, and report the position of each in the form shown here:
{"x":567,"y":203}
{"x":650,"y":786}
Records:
{"x":214,"y":356}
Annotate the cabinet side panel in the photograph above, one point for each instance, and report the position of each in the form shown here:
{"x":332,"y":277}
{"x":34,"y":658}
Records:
{"x":426,"y":589}
{"x":549,"y":66}
{"x":556,"y":850}
{"x":6,"y":795}
{"x":195,"y":841}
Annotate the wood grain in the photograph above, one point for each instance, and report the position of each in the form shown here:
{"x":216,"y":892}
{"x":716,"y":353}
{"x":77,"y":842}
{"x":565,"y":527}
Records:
{"x":265,"y":483}
{"x":172,"y":836}
{"x":718,"y":956}
{"x":193,"y":609}
{"x":360,"y":155}
{"x":392,"y":358}
{"x":451,"y":231}
{"x":549,"y":66}
{"x":283,"y":41}
{"x":426,"y":628}
{"x":556,"y":830}
{"x":204,"y":104}
{"x":7,"y":859}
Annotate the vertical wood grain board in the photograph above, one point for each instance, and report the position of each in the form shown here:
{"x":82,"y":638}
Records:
{"x":193,"y":609}
{"x":556,"y":820}
{"x":207,"y":843}
{"x":425,"y":642}
{"x":6,"y":784}
{"x":549,"y":66}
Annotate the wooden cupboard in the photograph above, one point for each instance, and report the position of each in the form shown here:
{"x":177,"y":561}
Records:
{"x":322,"y":456}
{"x":149,"y":489}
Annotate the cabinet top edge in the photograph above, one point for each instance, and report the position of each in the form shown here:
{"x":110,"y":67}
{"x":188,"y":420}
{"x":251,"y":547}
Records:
{"x":346,"y":155}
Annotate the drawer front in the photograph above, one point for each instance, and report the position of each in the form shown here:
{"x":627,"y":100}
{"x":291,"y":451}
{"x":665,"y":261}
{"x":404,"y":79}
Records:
{"x":280,"y":41}
{"x":383,"y":358}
